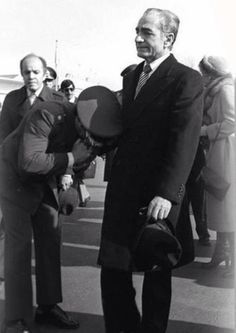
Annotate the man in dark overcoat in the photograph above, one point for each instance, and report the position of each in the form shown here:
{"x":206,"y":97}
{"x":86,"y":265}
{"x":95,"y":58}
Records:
{"x":33,"y":158}
{"x":162,"y":120}
{"x":17,"y":102}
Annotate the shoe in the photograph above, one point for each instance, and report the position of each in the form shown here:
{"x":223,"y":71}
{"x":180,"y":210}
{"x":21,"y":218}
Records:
{"x":55,"y":317}
{"x":84,"y":203}
{"x":229,"y":272}
{"x":18,"y":326}
{"x":204,"y":241}
{"x":216,"y":260}
{"x":221,"y":252}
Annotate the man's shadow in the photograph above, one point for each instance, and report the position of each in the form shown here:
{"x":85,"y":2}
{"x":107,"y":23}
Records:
{"x":215,"y":277}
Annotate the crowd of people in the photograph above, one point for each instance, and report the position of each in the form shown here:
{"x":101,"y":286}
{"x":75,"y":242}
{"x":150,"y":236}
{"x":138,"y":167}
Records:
{"x":176,"y":122}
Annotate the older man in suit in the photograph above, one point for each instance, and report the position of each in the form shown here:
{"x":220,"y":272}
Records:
{"x":162,"y":111}
{"x":33,"y":157}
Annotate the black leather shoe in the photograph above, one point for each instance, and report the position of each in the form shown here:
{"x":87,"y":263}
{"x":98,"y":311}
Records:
{"x":18,"y":326}
{"x":56,"y":317}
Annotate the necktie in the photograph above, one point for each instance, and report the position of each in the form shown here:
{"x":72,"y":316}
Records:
{"x":32,"y":98}
{"x":143,"y":78}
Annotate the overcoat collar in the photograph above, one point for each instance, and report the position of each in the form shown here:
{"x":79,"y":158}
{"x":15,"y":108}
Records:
{"x":158,"y":82}
{"x":45,"y":95}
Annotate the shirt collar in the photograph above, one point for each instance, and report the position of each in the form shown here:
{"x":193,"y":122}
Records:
{"x":156,"y":63}
{"x":36,"y":93}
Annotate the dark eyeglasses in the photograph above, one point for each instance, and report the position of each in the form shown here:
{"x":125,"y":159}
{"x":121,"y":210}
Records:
{"x":69,"y":89}
{"x":48,"y":80}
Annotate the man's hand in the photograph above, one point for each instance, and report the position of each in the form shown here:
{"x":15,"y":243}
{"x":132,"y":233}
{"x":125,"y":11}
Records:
{"x":65,"y":182}
{"x":82,"y":153}
{"x":158,"y":208}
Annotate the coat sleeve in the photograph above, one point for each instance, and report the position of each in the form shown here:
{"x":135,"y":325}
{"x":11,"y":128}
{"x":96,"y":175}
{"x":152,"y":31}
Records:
{"x":6,"y":125}
{"x":183,"y":137}
{"x":33,"y":158}
{"x":225,"y":116}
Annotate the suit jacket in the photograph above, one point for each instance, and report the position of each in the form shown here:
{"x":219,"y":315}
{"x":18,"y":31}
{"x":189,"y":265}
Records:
{"x":155,"y":153}
{"x":33,"y":155}
{"x":14,"y":108}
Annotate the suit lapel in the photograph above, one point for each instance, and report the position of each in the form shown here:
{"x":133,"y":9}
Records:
{"x":24,"y":106}
{"x":156,"y":84}
{"x":129,"y":85}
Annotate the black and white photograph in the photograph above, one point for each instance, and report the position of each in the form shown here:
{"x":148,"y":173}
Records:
{"x":117,"y":166}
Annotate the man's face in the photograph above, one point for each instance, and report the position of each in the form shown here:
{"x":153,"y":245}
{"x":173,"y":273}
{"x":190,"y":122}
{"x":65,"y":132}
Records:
{"x":150,"y":39}
{"x":69,"y":92}
{"x":33,"y":73}
{"x":49,"y":83}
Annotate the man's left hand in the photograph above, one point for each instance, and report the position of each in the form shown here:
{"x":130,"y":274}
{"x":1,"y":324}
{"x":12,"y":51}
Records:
{"x":158,"y":208}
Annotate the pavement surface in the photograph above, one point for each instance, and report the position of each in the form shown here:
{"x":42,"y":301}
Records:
{"x":203,"y":301}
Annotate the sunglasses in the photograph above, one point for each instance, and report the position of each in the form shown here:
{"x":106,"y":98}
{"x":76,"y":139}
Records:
{"x":69,"y":89}
{"x":48,"y":80}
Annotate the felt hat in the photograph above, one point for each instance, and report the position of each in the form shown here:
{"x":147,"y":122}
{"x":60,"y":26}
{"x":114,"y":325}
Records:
{"x":214,"y":65}
{"x":50,"y":73}
{"x":68,"y":201}
{"x":99,"y":112}
{"x":156,"y":246}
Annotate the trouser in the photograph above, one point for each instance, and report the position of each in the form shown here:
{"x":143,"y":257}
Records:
{"x":119,"y":305}
{"x":196,"y":196}
{"x":18,"y":245}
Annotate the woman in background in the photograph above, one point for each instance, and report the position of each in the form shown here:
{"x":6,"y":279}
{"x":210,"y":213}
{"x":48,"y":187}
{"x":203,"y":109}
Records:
{"x":219,"y":129}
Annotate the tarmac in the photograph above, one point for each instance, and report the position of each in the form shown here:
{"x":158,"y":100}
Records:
{"x":203,"y":301}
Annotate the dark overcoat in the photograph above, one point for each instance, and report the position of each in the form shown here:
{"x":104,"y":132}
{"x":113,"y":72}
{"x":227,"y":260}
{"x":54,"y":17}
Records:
{"x":33,"y":155}
{"x":15,"y":107}
{"x":155,"y":153}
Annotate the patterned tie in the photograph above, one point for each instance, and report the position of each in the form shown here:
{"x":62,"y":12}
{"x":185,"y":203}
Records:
{"x":143,"y":78}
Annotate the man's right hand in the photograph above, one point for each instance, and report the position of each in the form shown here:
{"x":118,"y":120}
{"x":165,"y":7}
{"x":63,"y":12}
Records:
{"x":83,"y":154}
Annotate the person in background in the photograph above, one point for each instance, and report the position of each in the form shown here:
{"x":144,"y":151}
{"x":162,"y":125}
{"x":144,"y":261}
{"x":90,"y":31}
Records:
{"x":68,"y":88}
{"x":195,"y":195}
{"x":219,"y":129}
{"x":162,"y":116}
{"x":19,"y":102}
{"x":50,"y":78}
{"x":1,"y":249}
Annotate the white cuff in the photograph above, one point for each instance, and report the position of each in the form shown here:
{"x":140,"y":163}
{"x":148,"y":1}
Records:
{"x":71,"y":160}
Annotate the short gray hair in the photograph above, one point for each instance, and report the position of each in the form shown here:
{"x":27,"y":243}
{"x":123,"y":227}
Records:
{"x":168,"y":21}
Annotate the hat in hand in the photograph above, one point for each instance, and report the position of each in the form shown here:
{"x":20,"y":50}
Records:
{"x":68,"y":200}
{"x":99,"y":112}
{"x":156,"y":245}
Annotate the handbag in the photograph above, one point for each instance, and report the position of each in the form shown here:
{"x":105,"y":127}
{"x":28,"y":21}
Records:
{"x":90,"y":171}
{"x":214,"y":183}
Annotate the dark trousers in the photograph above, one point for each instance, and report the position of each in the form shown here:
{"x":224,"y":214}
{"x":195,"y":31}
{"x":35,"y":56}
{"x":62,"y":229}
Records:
{"x":196,"y":196}
{"x":19,"y":225}
{"x":119,"y":305}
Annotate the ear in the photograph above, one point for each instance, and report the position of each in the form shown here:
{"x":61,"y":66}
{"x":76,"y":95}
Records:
{"x":169,"y":39}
